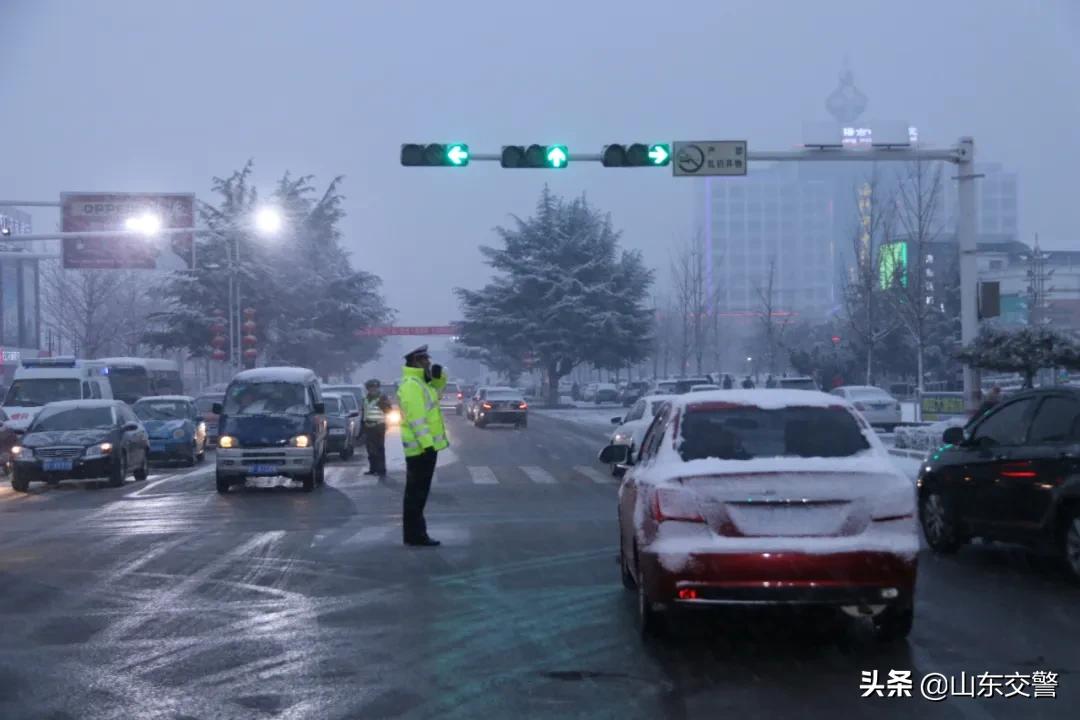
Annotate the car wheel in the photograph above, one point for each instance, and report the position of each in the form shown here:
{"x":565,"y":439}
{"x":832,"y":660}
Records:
{"x":1072,"y":541}
{"x":18,"y":482}
{"x":143,"y":471}
{"x":480,"y":423}
{"x":346,"y":453}
{"x":894,"y":623}
{"x":192,"y":457}
{"x":650,"y":621}
{"x":119,"y":472}
{"x":222,"y":483}
{"x":309,"y":481}
{"x":939,"y":523}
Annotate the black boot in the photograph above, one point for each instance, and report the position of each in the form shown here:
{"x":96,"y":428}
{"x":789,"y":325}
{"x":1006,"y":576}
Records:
{"x":424,"y":542}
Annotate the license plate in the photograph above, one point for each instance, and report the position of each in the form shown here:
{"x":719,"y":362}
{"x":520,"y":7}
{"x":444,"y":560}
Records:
{"x":157,"y":447}
{"x":58,"y":465}
{"x":263,"y":470}
{"x":337,"y":431}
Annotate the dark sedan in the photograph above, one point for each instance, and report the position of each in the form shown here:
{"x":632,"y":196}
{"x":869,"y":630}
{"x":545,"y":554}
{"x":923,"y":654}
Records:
{"x":1012,"y":475}
{"x":81,"y":440}
{"x":175,"y":426}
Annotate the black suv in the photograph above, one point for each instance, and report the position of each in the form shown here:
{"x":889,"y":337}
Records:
{"x":1012,"y":475}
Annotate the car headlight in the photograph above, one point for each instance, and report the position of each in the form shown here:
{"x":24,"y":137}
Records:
{"x":179,"y":433}
{"x":618,"y":438}
{"x":226,"y":441}
{"x":393,"y":417}
{"x":23,"y":453}
{"x":99,"y":450}
{"x":300,"y":441}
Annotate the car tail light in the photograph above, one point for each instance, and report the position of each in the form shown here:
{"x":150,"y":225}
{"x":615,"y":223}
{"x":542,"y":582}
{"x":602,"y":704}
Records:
{"x":688,"y":594}
{"x":675,"y":504}
{"x":486,"y":406}
{"x":522,"y":406}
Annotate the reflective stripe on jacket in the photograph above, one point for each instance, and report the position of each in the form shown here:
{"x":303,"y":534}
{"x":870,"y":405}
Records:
{"x":373,"y":413}
{"x":422,"y":424}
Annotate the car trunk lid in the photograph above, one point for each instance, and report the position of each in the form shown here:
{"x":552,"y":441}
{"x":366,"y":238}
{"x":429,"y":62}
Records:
{"x":784,"y":504}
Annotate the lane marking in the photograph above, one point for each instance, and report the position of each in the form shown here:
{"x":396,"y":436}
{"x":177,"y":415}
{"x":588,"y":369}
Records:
{"x":205,"y":469}
{"x":482,"y":475}
{"x":595,"y":475}
{"x":539,"y":475}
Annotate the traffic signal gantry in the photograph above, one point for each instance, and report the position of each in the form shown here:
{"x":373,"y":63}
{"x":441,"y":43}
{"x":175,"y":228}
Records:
{"x":536,"y":156}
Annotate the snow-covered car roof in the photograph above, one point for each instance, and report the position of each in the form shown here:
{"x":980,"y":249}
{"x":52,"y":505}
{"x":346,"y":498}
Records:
{"x":669,"y":465}
{"x":166,"y":398}
{"x":768,"y":399}
{"x":275,"y":374}
{"x":73,"y":404}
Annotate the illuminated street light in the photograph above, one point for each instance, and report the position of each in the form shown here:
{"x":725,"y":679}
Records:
{"x":268,"y":221}
{"x":147,"y":224}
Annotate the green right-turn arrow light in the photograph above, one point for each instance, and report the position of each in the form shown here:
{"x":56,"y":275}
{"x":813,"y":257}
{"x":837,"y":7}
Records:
{"x":659,"y":154}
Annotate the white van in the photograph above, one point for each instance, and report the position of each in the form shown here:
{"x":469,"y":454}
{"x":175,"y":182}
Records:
{"x":45,"y":380}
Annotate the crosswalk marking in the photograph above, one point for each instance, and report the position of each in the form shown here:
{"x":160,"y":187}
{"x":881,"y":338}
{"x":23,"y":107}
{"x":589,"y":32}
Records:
{"x":595,"y":475}
{"x":539,"y":475}
{"x":482,"y":475}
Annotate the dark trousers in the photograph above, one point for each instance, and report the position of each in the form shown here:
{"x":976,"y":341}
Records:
{"x":419,"y":471}
{"x":375,"y":441}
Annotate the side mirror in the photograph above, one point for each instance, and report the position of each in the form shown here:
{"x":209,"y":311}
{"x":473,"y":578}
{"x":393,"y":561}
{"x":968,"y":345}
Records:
{"x":354,"y":414}
{"x":319,"y":408}
{"x":616,"y":421}
{"x":217,"y":409}
{"x":130,"y":427}
{"x":953,"y":436}
{"x":615,"y":455}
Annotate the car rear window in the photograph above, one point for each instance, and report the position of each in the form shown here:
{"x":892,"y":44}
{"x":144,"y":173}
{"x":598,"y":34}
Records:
{"x":743,"y":432}
{"x":504,"y":395}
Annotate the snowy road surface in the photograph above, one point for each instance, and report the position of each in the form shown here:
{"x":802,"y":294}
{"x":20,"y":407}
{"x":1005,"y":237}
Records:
{"x":163,"y":599}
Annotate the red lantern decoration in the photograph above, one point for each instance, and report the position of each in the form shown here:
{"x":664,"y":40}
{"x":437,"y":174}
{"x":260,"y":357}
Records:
{"x":249,"y":341}
{"x":249,"y":313}
{"x":251,"y":353}
{"x":218,"y":355}
{"x":217,"y":328}
{"x":218,"y":341}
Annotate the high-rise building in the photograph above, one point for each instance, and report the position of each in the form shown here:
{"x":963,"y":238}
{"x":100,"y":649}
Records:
{"x":809,"y":216}
{"x":20,"y":313}
{"x":770,"y":221}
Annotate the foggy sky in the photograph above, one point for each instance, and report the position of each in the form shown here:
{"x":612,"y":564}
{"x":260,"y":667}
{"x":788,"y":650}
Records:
{"x":161,"y":96}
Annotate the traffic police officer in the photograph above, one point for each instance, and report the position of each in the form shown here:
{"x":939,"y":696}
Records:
{"x":423,"y":435}
{"x":376,"y":405}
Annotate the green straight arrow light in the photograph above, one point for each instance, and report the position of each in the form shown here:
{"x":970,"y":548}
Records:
{"x":458,"y":154}
{"x":556,"y":156}
{"x":659,"y":154}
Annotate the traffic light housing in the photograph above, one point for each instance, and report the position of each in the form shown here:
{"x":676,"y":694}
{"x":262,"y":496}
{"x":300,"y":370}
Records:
{"x":435,"y":155}
{"x":555,"y":157}
{"x":636,"y":155}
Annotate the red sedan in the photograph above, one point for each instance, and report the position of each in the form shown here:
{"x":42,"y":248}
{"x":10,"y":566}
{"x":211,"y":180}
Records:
{"x":766,"y":497}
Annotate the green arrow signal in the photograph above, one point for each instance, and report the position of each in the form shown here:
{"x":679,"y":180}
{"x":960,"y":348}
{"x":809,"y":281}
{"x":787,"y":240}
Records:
{"x":556,"y":156}
{"x":458,"y":154}
{"x":659,"y":154}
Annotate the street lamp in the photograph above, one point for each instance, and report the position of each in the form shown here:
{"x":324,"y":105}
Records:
{"x":268,"y":221}
{"x":147,"y":223}
{"x":265,"y":221}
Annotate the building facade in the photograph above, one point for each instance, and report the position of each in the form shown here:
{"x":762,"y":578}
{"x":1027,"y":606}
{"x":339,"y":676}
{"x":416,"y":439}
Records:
{"x":20,"y":292}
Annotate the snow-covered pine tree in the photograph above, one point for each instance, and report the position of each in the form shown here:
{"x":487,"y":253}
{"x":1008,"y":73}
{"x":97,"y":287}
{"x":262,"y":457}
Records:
{"x":564,"y":291}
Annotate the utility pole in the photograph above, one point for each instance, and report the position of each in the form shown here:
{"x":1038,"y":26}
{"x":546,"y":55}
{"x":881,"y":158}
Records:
{"x":1037,"y":292}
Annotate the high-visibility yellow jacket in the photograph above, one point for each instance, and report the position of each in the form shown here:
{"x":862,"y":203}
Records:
{"x":422,"y":424}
